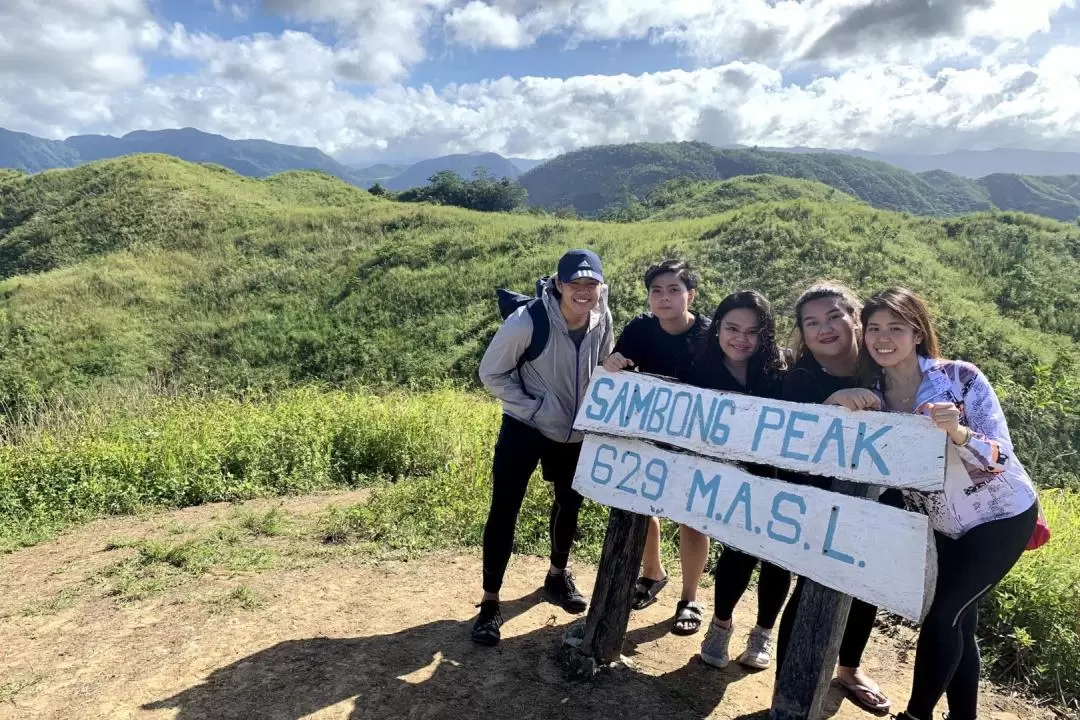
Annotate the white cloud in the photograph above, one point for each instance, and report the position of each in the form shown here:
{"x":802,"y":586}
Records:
{"x":481,"y":25}
{"x":274,"y":64}
{"x":63,"y":59}
{"x":237,"y":11}
{"x":883,"y":106}
{"x":841,"y":33}
{"x":70,"y":67}
{"x":378,"y":40}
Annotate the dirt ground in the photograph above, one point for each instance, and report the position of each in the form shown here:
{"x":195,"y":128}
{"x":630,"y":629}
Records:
{"x":323,"y":631}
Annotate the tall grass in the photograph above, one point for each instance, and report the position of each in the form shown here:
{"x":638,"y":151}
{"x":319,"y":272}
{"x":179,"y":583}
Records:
{"x":186,"y":451}
{"x":1031,"y":622}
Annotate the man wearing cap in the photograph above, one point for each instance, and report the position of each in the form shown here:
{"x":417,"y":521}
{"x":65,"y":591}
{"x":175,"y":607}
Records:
{"x":540,"y":399}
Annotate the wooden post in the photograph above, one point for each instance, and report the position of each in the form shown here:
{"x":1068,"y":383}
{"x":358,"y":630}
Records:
{"x":803,"y":681}
{"x":609,"y":612}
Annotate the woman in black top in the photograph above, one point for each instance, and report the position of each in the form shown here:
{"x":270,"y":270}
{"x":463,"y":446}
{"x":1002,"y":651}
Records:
{"x":827,"y":361}
{"x":662,"y":342}
{"x":740,"y":355}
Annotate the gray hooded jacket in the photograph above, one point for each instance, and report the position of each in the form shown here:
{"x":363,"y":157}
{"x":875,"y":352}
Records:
{"x":547,"y":392}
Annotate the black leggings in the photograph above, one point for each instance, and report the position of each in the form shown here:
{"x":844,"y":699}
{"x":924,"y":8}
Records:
{"x":733,"y":571}
{"x":860,"y":622}
{"x":947,"y":656}
{"x":517,"y":452}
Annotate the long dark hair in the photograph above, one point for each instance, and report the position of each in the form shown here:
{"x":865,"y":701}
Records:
{"x":910,"y":308}
{"x":767,"y":362}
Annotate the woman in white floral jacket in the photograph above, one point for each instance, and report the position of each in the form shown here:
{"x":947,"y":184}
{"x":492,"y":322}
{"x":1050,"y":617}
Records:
{"x":982,"y":519}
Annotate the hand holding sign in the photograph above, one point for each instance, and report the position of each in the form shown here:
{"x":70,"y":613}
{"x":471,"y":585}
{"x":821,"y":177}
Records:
{"x":945,"y":415}
{"x":617,"y":361}
{"x":854,"y":399}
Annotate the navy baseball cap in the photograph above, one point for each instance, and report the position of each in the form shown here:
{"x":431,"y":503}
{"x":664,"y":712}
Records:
{"x":580,"y":264}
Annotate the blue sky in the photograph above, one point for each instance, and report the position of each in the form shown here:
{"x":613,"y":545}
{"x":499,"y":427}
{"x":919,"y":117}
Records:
{"x":371,"y":80}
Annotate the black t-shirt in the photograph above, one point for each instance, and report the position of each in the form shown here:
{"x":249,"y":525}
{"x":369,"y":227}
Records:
{"x":809,"y":383}
{"x":713,"y":374}
{"x":655,"y":351}
{"x":578,"y":335}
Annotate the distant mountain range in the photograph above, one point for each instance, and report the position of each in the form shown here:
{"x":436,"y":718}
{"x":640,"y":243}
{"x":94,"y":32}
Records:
{"x":254,"y":158}
{"x":968,"y":163}
{"x":594,"y":180}
{"x":464,"y":165}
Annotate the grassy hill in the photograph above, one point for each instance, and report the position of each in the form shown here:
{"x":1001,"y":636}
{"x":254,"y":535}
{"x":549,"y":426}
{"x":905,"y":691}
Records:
{"x":599,"y":179}
{"x":148,"y":266}
{"x":684,"y":198}
{"x":1057,"y":197}
{"x":149,"y":307}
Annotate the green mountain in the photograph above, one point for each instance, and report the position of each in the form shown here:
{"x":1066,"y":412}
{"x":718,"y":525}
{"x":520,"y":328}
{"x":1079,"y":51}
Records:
{"x":22,"y":151}
{"x":380,"y":173}
{"x":254,"y":158}
{"x":1056,"y":197}
{"x":683,"y":198}
{"x":150,"y":267}
{"x":599,"y":179}
{"x":464,"y":165}
{"x":967,"y":163}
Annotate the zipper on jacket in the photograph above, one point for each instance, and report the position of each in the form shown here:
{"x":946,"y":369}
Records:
{"x":577,"y":383}
{"x":577,"y":378}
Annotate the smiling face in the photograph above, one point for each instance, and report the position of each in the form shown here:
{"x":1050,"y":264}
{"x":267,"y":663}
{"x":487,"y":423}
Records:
{"x":739,"y":334}
{"x":669,"y":298}
{"x":890,"y":339}
{"x":578,"y":299}
{"x":828,"y":330}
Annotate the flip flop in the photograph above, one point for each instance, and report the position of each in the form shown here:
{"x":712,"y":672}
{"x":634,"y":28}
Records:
{"x":646,"y":590}
{"x":865,"y":697}
{"x":688,"y":614}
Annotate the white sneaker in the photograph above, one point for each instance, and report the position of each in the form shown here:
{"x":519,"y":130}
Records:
{"x":714,"y":648}
{"x":758,"y":653}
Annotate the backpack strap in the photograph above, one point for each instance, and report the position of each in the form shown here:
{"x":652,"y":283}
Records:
{"x":541,"y":330}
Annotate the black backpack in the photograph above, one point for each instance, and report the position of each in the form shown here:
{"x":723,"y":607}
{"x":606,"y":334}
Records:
{"x":509,"y":301}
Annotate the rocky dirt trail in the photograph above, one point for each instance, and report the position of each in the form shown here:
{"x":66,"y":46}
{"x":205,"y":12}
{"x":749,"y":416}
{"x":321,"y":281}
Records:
{"x":112,"y":621}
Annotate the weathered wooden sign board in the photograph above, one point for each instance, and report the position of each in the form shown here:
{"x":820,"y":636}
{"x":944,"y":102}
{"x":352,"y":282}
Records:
{"x":657,"y":447}
{"x":871,"y":551}
{"x":879,"y":448}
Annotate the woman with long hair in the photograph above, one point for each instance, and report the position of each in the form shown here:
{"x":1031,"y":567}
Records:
{"x":740,"y":354}
{"x":827,"y":371}
{"x":982,"y":523}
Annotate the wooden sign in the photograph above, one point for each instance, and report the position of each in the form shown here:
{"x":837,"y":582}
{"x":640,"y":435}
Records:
{"x":887,"y":449}
{"x":871,"y":551}
{"x":842,"y":543}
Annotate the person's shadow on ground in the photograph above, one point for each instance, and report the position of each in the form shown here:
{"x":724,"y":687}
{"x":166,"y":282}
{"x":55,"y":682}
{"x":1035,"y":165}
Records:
{"x":435,"y":671}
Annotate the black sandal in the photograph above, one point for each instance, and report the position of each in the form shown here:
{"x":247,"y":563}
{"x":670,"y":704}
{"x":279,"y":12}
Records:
{"x":687,"y":618}
{"x":646,"y":590}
